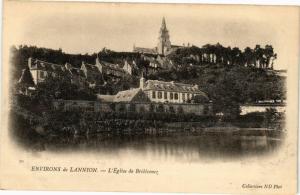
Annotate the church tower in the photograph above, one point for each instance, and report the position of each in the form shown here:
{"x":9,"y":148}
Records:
{"x":164,"y":43}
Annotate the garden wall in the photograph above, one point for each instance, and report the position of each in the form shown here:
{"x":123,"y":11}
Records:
{"x":95,"y":106}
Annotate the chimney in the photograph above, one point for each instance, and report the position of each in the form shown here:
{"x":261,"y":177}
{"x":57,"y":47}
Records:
{"x":142,"y":82}
{"x":97,"y":60}
{"x":29,"y":62}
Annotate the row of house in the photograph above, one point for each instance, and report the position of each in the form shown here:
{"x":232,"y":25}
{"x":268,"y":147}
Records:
{"x":163,"y":95}
{"x":93,"y":74}
{"x":154,"y":90}
{"x":158,"y":63}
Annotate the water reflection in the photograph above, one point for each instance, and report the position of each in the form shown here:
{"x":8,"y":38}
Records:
{"x":181,"y":146}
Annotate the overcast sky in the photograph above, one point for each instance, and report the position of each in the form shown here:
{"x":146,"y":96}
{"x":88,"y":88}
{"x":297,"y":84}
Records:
{"x":87,"y":28}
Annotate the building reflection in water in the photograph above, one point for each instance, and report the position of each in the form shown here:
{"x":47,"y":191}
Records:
{"x":178,"y":146}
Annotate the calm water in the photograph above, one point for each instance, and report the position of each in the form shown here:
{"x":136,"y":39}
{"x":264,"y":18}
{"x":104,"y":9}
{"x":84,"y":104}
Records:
{"x":180,"y":146}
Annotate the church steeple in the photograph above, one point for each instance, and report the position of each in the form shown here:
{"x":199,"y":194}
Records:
{"x":164,"y":43}
{"x":163,"y":24}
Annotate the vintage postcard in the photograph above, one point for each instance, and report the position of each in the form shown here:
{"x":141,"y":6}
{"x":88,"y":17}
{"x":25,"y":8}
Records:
{"x":149,"y":97}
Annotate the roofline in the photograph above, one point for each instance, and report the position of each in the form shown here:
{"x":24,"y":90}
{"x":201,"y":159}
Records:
{"x":172,"y":82}
{"x":48,"y":62}
{"x":198,"y":92}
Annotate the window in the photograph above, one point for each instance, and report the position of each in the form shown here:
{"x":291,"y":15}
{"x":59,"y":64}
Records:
{"x":176,"y":96}
{"x":183,"y":96}
{"x":165,"y":95}
{"x":171,"y":96}
{"x":188,"y":96}
{"x":153,"y":94}
{"x":159,"y":95}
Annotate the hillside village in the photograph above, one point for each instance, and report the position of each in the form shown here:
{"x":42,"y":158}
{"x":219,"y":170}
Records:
{"x":170,"y":81}
{"x":162,"y":89}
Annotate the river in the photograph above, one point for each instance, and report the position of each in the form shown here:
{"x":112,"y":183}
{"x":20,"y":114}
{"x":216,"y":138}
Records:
{"x":184,"y":146}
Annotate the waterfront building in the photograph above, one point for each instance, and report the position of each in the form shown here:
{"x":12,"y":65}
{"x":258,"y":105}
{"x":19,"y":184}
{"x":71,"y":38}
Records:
{"x":172,"y":92}
{"x":158,"y":91}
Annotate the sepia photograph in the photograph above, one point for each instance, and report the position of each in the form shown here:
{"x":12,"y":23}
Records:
{"x":154,"y":84}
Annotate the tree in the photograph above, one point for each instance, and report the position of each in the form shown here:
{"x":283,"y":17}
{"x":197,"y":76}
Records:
{"x":259,"y":56}
{"x":199,"y":99}
{"x":160,"y":108}
{"x":180,"y":110}
{"x":269,"y":55}
{"x":228,"y":92}
{"x":248,"y":57}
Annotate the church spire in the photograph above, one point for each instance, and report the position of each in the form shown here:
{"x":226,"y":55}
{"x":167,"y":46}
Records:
{"x":164,"y":43}
{"x":163,"y":24}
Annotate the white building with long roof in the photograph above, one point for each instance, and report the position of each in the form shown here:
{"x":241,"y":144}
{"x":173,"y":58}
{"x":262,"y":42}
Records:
{"x":157,"y":91}
{"x":172,"y":92}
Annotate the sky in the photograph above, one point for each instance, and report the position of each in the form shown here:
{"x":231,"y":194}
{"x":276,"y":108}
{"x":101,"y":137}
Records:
{"x":89,"y":27}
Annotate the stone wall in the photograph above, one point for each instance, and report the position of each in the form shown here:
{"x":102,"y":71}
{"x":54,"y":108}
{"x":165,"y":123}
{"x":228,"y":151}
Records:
{"x":95,"y":106}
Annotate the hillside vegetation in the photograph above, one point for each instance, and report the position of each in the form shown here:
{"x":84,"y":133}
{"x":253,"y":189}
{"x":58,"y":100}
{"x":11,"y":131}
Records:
{"x":229,"y":76}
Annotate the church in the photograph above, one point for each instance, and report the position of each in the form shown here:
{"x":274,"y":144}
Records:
{"x":164,"y":46}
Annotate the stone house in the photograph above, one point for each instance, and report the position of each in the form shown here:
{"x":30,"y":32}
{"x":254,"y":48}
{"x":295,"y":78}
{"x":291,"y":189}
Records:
{"x":40,"y":70}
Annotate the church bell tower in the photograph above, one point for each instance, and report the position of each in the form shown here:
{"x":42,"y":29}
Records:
{"x":164,"y":43}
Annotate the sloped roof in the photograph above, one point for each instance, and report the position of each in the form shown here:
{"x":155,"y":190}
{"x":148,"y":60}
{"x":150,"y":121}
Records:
{"x":172,"y":86}
{"x":92,"y":74}
{"x":163,"y":61}
{"x":92,"y":68}
{"x":112,"y":66}
{"x":127,"y":95}
{"x":26,"y":78}
{"x":131,"y":95}
{"x":177,"y":46}
{"x":106,"y":98}
{"x":76,"y":72}
{"x":130,"y":62}
{"x":46,"y":66}
{"x":144,"y":50}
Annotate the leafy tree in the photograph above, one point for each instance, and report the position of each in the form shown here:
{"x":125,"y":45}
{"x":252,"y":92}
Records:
{"x":160,"y":108}
{"x":269,"y":55}
{"x":199,"y":99}
{"x":180,"y":110}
